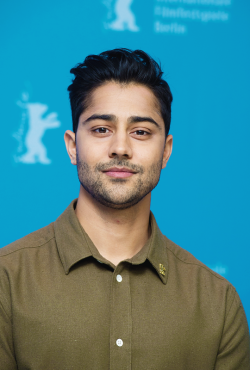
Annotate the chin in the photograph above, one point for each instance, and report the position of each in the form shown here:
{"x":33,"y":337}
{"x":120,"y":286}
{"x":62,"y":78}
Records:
{"x":119,"y":203}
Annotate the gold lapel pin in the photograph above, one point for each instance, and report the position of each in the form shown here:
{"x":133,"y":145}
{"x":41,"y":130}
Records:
{"x":162,"y":269}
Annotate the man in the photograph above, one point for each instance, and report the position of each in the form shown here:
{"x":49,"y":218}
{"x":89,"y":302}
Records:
{"x":101,"y":287}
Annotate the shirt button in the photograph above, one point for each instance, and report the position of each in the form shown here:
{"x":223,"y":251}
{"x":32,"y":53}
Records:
{"x":119,"y":278}
{"x":119,"y":342}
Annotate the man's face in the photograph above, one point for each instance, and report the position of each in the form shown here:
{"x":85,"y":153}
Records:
{"x":120,"y":145}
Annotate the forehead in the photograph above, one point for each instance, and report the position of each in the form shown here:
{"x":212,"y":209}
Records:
{"x":132,"y":98}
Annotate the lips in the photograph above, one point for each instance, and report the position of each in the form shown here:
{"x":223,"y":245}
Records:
{"x":121,"y":172}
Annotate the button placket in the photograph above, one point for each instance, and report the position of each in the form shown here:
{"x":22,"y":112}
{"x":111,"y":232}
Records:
{"x":121,"y":320}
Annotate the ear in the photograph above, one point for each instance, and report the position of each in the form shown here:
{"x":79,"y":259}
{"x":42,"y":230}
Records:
{"x":70,"y":142}
{"x":167,"y":150}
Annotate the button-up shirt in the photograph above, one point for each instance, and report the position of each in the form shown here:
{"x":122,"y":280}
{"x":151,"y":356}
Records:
{"x":63,"y":306}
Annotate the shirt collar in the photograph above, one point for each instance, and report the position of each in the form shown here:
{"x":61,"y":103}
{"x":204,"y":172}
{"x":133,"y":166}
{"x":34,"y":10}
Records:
{"x":74,"y":244}
{"x":154,"y":251}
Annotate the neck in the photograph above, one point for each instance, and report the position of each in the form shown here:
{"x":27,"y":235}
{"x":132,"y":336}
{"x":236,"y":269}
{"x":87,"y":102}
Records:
{"x":117,"y":234}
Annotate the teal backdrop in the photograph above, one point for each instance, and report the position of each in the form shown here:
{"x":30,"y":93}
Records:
{"x":202,"y":201}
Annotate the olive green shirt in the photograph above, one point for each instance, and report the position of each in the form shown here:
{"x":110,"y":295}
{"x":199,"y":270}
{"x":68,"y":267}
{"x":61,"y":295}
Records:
{"x":63,"y":306}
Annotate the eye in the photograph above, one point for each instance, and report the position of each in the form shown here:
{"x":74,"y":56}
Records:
{"x":101,"y":130}
{"x":141,"y":133}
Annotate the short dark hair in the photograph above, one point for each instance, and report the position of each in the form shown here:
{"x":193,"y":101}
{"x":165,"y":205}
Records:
{"x":122,"y":66}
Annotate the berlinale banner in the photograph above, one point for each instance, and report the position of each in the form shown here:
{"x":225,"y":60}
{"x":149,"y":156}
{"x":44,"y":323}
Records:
{"x":202,"y":201}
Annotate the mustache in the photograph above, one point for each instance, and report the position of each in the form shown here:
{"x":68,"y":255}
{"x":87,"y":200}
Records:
{"x":119,"y":163}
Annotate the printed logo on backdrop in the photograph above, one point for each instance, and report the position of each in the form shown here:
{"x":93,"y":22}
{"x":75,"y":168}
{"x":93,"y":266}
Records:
{"x":170,"y":16}
{"x":174,"y":16}
{"x":35,"y":121}
{"x":120,"y":17}
{"x":220,"y":269}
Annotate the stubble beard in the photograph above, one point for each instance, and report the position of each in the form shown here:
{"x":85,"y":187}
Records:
{"x":112,"y":192}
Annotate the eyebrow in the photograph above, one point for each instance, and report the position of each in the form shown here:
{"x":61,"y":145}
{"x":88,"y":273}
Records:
{"x":112,"y":118}
{"x":104,"y":117}
{"x":135,"y":119}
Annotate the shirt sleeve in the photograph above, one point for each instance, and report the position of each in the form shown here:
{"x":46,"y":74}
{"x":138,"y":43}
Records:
{"x":7,"y":357}
{"x":234,"y":352}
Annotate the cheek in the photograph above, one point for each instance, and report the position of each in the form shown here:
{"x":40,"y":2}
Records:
{"x":89,"y":153}
{"x":149,"y":155}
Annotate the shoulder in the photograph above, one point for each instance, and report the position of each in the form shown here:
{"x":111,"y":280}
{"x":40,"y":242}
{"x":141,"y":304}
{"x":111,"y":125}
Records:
{"x":36,"y":239}
{"x":196,"y":277}
{"x":199,"y":282}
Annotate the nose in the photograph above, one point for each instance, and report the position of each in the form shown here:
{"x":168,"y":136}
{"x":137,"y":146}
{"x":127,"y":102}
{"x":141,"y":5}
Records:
{"x":120,"y":146}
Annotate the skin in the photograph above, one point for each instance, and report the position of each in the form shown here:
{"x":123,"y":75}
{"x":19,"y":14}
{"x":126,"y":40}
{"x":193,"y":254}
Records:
{"x":113,"y":207}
